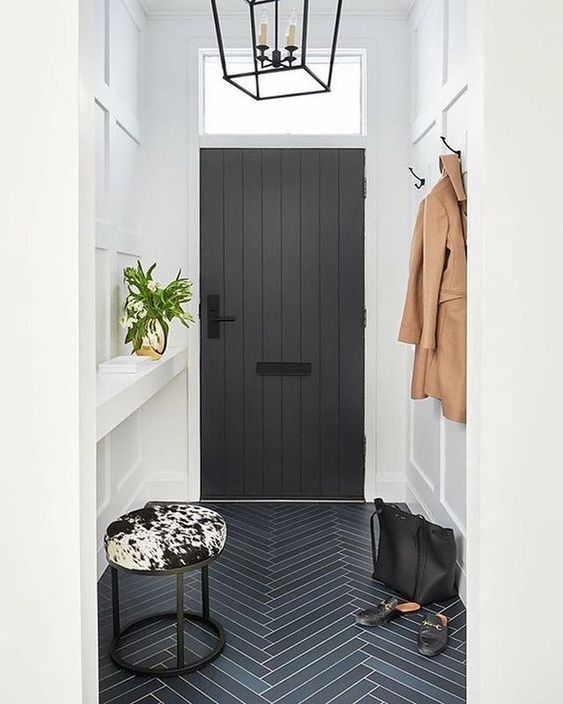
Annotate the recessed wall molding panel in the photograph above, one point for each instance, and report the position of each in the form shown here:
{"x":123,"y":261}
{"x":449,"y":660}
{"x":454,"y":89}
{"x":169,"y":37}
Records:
{"x":103,"y":475}
{"x":452,"y":489}
{"x":102,"y":160}
{"x":125,"y":451}
{"x":425,"y":161}
{"x":125,"y":179}
{"x":102,"y":41}
{"x":456,"y":40}
{"x":425,"y":436}
{"x":125,"y":54}
{"x":103,"y":263}
{"x":428,"y":56}
{"x":455,"y":126}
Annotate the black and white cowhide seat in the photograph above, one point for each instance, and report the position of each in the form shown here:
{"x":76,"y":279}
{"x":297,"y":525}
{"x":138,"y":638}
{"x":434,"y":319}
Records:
{"x":162,"y":537}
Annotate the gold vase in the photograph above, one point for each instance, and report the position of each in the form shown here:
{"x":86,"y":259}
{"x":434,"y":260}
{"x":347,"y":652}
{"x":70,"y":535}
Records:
{"x":154,"y":344}
{"x":147,"y":351}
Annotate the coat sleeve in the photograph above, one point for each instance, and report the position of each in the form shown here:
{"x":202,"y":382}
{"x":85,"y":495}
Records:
{"x":411,"y":324}
{"x":428,"y":249}
{"x":435,"y":235}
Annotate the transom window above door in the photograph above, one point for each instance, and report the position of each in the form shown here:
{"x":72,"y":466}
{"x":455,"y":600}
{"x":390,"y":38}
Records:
{"x":228,"y":111}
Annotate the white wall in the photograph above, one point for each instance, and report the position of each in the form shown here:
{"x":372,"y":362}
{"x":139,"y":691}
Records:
{"x":437,"y":468}
{"x":140,"y":459}
{"x":47,"y":431}
{"x":514,"y":432}
{"x":171,"y":148}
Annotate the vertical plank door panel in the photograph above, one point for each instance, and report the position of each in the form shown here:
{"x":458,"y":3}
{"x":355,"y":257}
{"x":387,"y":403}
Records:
{"x":329,"y":321}
{"x":310,"y":308}
{"x":213,"y":351}
{"x":252,"y":321}
{"x":232,"y":333}
{"x":272,"y":319}
{"x":291,"y":319}
{"x":351,"y":327}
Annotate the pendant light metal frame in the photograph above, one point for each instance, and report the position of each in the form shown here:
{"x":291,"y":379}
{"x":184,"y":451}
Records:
{"x":325,"y":86}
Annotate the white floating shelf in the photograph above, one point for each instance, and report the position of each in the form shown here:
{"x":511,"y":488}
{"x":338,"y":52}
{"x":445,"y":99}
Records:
{"x":120,"y":395}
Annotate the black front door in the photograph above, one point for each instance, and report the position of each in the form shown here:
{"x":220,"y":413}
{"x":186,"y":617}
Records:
{"x":282,"y":323}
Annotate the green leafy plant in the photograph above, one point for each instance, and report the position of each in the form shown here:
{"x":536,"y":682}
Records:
{"x":149,"y":303}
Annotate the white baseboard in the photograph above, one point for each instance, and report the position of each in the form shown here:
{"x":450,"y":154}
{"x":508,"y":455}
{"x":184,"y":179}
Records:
{"x":388,"y":486}
{"x":165,"y":486}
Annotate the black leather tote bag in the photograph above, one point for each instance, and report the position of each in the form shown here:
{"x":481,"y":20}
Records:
{"x":415,"y":558}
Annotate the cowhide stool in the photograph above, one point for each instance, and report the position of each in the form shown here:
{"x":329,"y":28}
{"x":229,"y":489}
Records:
{"x":166,"y":539}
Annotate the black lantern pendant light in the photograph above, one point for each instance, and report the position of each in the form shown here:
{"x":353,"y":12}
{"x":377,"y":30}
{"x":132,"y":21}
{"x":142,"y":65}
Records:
{"x":278,"y":65}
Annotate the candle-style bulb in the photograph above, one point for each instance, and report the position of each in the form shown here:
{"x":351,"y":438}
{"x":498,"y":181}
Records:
{"x":263,"y":33}
{"x":292,"y":29}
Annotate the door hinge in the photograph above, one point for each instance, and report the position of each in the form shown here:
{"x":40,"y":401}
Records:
{"x":365,"y":186}
{"x":365,"y":317}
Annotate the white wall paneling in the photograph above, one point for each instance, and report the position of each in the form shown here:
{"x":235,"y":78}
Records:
{"x":125,"y":46}
{"x":119,"y":464}
{"x":131,"y":469}
{"x":119,"y":239}
{"x":436,"y":476}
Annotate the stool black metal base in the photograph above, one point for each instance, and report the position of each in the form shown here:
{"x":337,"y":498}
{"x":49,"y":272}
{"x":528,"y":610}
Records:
{"x":181,"y":616}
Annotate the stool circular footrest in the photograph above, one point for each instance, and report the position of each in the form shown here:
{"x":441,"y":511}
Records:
{"x":169,"y":671}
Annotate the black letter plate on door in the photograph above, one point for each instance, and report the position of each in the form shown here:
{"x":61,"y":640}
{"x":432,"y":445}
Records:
{"x":283,"y":368}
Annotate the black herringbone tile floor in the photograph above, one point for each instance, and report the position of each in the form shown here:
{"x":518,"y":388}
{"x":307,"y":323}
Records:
{"x":285,"y":590}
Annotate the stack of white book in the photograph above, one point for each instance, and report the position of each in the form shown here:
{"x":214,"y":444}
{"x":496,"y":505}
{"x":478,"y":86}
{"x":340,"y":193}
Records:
{"x":127,"y":364}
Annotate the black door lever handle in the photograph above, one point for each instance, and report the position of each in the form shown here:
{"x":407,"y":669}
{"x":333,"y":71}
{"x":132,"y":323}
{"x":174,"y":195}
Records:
{"x":214,"y":317}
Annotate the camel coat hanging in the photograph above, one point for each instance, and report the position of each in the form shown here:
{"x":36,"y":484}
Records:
{"x":435,"y":314}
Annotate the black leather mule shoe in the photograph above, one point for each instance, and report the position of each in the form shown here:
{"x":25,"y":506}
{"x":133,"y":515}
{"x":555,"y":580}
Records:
{"x":433,"y":635}
{"x":385,"y":612}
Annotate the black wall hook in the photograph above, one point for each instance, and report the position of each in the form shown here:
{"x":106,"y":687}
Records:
{"x":455,"y":151}
{"x":421,"y":181}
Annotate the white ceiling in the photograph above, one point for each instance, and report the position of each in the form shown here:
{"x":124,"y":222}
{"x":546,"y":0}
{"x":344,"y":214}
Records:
{"x":401,"y":6}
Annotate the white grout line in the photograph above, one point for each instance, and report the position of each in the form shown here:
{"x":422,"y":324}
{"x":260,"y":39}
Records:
{"x":313,"y":615}
{"x":202,"y":673}
{"x":374,"y":687}
{"x":306,"y":579}
{"x":304,"y":639}
{"x":151,"y":694}
{"x":324,"y":655}
{"x":418,"y":665}
{"x":408,"y":686}
{"x":363,"y":638}
{"x":384,"y":628}
{"x":275,"y":627}
{"x":332,"y":683}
